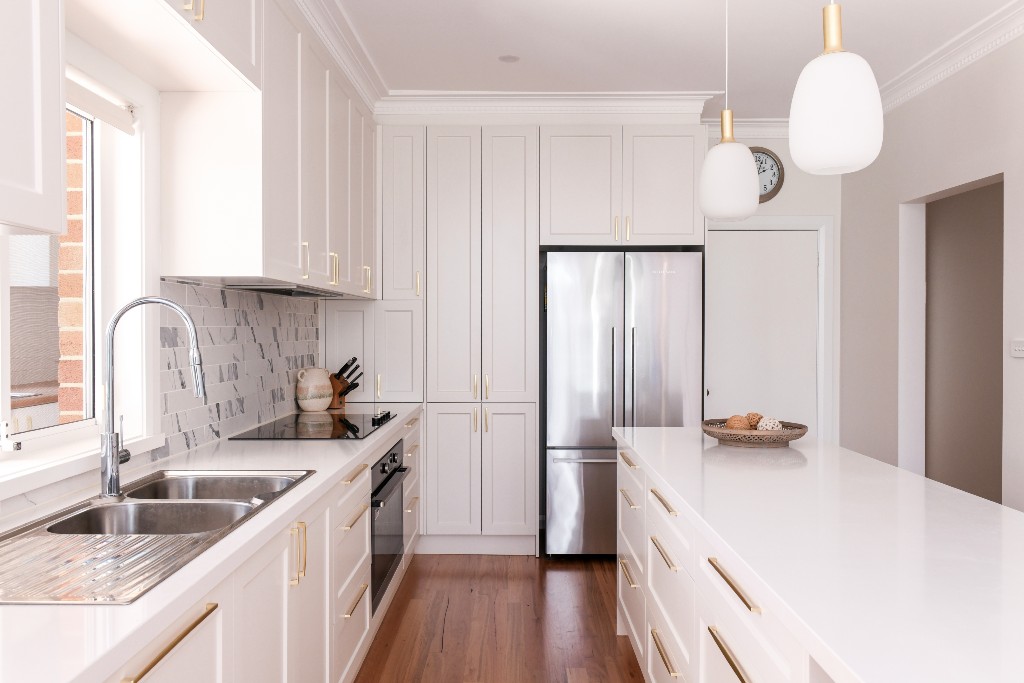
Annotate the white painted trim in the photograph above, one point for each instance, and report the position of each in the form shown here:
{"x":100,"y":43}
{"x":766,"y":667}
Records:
{"x":989,"y":34}
{"x":432,"y":102}
{"x":756,"y":129}
{"x":828,"y":307}
{"x":913,"y":291}
{"x":476,"y":545}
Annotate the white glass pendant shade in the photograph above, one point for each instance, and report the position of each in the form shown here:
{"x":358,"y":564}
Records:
{"x":728,"y":188}
{"x":835,"y":118}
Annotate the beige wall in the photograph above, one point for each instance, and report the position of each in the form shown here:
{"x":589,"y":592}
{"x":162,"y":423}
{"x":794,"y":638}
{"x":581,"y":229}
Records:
{"x":966,"y":128}
{"x":964,"y":377}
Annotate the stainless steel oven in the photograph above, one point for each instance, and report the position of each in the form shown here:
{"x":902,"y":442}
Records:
{"x":386,"y":537}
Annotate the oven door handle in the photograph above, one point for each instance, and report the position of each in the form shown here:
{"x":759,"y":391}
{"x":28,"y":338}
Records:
{"x":388,"y":489}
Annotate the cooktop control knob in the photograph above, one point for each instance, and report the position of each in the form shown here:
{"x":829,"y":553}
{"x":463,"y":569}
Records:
{"x":384,"y":468}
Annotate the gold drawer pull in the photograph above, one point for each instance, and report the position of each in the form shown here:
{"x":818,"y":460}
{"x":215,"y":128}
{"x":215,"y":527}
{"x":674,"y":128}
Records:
{"x":664,"y":503}
{"x":354,"y":474}
{"x":630,"y":581}
{"x":629,"y":461}
{"x":727,"y":653}
{"x":294,"y":531}
{"x":629,"y":501}
{"x":664,"y":655}
{"x":413,"y":451}
{"x":713,"y":561}
{"x":352,"y":609}
{"x":211,"y":607}
{"x":412,"y":504}
{"x":413,"y":423}
{"x":664,"y":554}
{"x":305,"y":548}
{"x":351,"y":525}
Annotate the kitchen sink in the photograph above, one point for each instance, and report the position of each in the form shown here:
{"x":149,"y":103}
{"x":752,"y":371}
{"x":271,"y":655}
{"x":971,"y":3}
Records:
{"x":214,"y":485}
{"x":155,"y":519}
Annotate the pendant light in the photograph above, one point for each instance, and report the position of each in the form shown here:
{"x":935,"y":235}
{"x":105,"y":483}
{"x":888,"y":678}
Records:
{"x":835,"y":118}
{"x":728,"y":180}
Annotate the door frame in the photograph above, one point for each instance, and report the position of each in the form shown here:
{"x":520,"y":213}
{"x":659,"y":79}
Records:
{"x":828,"y":306}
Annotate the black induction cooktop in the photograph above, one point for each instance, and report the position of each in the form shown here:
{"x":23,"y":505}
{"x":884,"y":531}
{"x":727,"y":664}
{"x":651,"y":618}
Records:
{"x":325,"y":425}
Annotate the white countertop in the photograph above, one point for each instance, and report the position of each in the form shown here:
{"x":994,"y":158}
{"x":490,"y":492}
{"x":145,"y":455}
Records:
{"x":85,"y":644}
{"x":889,"y":576}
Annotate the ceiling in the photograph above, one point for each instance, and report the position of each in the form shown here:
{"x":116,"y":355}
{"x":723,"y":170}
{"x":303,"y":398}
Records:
{"x":573,"y":46}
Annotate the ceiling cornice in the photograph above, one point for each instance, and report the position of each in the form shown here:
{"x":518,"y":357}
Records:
{"x":989,"y":34}
{"x":334,"y":27}
{"x":423,"y":102}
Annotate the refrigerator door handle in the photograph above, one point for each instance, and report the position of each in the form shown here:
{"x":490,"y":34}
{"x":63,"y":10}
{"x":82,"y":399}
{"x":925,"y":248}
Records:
{"x":586,"y":461}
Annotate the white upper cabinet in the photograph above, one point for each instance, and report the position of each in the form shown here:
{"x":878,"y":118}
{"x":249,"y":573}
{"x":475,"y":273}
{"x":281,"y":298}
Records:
{"x":350,"y":332}
{"x":362,"y":218}
{"x":233,"y":27}
{"x":346,"y":271}
{"x":320,"y":267}
{"x":398,"y":342}
{"x":609,"y":185}
{"x":510,"y":264}
{"x":660,"y":168}
{"x":453,"y":262}
{"x":32,"y":118}
{"x":403,"y":212}
{"x":509,"y":469}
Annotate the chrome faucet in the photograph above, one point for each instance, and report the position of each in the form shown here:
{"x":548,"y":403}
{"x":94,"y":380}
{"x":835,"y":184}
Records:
{"x":112,"y":454}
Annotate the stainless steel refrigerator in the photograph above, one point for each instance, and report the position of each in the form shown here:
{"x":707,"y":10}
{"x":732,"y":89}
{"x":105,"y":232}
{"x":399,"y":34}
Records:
{"x":624,"y":346}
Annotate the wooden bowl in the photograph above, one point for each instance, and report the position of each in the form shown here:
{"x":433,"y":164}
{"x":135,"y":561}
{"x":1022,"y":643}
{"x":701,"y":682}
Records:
{"x":753,"y":438}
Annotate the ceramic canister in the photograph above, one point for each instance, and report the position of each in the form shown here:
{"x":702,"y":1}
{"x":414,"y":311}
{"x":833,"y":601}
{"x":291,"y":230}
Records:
{"x":313,"y":390}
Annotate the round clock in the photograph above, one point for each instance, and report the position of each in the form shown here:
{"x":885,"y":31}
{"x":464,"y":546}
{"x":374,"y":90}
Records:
{"x":770,"y":173}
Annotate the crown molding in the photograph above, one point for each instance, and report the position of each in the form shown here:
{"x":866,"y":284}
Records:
{"x":428,"y":102}
{"x":757,"y":129}
{"x":989,"y":34}
{"x":333,"y":26}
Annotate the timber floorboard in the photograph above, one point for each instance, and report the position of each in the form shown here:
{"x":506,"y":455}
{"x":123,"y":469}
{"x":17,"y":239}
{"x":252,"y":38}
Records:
{"x":502,"y":619}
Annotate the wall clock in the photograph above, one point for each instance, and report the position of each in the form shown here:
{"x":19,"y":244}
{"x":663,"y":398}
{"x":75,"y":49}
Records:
{"x":770,"y":172}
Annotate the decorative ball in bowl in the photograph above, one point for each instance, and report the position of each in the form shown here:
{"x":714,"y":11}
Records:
{"x":753,"y":431}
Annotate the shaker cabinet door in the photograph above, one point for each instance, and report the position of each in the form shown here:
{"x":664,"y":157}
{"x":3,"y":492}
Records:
{"x":398,"y":353}
{"x":313,"y":91}
{"x":403,"y":212}
{"x":453,"y":469}
{"x":509,"y":469}
{"x":350,"y":332}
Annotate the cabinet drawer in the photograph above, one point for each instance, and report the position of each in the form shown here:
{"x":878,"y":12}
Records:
{"x":668,"y":657}
{"x":629,"y":465}
{"x":411,"y":522}
{"x":355,"y":484}
{"x":631,"y":601}
{"x":730,"y":599}
{"x":351,"y":623}
{"x":671,"y":592}
{"x":630,"y":500}
{"x":667,"y":512}
{"x":351,"y":540}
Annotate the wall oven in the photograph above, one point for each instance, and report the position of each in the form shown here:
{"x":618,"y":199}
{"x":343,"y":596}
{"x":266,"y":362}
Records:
{"x":386,"y":537}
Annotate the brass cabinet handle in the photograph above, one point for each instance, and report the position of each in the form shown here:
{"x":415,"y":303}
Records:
{"x":487,"y":386}
{"x":352,"y":609}
{"x":486,"y":420}
{"x":616,"y":228}
{"x":211,"y":607}
{"x":202,"y":11}
{"x":305,"y":249}
{"x":727,"y":653}
{"x":664,"y":554}
{"x":412,"y":504}
{"x":629,"y":501}
{"x":334,"y":268}
{"x":476,"y":385}
{"x":294,"y":533}
{"x":378,"y":385}
{"x":747,"y":602}
{"x":354,"y":474}
{"x":305,"y":548}
{"x":475,"y":420}
{"x":351,"y":525}
{"x":664,"y":503}
{"x":630,"y":581}
{"x":628,"y":460}
{"x":413,"y":451}
{"x":664,"y":655}
{"x":627,"y":228}
{"x":418,"y":290}
{"x":366,"y":272}
{"x":413,"y":423}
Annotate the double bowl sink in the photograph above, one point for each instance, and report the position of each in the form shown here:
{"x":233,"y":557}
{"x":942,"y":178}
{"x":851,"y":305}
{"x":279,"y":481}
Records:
{"x":112,"y":552}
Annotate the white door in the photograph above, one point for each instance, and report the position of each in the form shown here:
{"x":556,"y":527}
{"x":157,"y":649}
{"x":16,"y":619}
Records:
{"x":510,"y":262}
{"x":509,"y":469}
{"x":339,"y":233}
{"x":32,"y":120}
{"x":261,"y":617}
{"x":403,"y":212}
{"x":453,"y":261}
{"x":350,"y":330}
{"x":283,"y":254}
{"x":233,"y":28}
{"x":309,"y":620}
{"x":313,"y":162}
{"x":660,"y":167}
{"x":398,"y":352}
{"x":369,"y":129}
{"x":580,"y":184}
{"x":761,"y":324}
{"x":453,"y":469}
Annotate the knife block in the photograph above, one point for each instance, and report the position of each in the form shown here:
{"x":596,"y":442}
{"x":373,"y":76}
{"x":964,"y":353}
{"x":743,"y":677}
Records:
{"x":337,"y":386}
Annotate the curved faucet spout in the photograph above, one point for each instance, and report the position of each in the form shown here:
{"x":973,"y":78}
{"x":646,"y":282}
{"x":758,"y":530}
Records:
{"x":110,"y":441}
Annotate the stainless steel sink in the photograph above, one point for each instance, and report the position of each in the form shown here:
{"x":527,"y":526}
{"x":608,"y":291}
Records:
{"x":156,"y":519}
{"x":102,"y":551}
{"x":214,"y":485}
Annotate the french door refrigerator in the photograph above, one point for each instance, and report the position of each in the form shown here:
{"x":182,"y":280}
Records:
{"x":624,"y":347}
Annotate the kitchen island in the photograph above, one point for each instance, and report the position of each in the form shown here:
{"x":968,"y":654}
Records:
{"x":811,"y":563}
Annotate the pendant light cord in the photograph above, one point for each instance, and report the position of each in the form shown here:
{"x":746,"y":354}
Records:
{"x":726,"y":54}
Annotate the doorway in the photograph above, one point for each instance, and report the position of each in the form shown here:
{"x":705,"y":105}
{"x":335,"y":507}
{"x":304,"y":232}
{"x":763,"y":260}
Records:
{"x":964,"y":341}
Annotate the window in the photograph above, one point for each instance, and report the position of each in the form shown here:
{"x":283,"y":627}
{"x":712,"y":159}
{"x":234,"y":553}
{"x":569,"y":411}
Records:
{"x":51,"y":304}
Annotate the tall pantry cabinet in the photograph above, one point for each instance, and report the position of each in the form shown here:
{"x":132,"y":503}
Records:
{"x":482,"y":350}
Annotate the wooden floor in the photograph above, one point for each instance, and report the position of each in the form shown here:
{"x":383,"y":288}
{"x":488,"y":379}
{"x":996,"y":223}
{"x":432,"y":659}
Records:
{"x":496,"y":619}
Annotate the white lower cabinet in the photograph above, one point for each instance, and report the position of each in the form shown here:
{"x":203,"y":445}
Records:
{"x":453,"y":468}
{"x":509,"y":469}
{"x":350,"y":596}
{"x":261,"y":596}
{"x":308,"y":616}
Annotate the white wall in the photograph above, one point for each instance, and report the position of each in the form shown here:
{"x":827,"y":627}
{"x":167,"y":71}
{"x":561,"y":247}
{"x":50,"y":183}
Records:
{"x":962,"y":130}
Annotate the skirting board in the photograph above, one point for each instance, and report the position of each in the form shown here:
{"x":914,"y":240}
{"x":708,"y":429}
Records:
{"x":476,"y":545}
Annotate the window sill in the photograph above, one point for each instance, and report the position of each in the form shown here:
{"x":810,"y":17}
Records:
{"x":21,"y":473}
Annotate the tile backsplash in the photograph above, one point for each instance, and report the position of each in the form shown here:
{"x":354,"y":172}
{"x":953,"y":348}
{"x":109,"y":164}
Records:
{"x":253,"y":346}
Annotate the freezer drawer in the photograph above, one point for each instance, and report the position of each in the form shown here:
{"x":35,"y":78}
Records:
{"x":581,"y":502}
